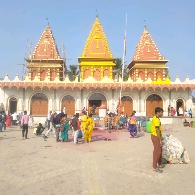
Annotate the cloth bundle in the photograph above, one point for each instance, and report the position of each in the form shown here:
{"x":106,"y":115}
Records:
{"x":172,"y":149}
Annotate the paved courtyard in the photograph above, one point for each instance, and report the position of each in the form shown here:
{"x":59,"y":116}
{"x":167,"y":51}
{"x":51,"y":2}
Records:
{"x":118,"y":167}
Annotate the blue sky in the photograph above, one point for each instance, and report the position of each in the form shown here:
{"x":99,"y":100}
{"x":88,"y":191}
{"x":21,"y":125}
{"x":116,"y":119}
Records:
{"x":170,"y":23}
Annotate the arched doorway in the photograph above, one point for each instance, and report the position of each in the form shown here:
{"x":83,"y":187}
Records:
{"x":13,"y":105}
{"x":96,"y":100}
{"x":179,"y":103}
{"x":127,"y":105}
{"x":152,"y":102}
{"x":39,"y":105}
{"x":69,"y":103}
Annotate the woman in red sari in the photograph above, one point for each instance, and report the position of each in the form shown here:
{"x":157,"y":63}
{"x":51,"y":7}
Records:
{"x":8,"y":120}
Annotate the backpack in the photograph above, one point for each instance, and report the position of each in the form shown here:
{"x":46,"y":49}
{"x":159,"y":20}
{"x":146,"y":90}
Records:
{"x":1,"y":118}
{"x":58,"y":118}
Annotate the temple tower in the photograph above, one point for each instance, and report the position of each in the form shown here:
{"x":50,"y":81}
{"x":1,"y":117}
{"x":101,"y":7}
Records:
{"x":96,"y":60}
{"x":147,"y":61}
{"x":45,"y":61}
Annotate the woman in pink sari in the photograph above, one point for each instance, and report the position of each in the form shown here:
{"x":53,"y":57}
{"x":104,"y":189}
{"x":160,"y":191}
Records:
{"x":172,"y":111}
{"x":132,"y":128}
{"x":8,"y":120}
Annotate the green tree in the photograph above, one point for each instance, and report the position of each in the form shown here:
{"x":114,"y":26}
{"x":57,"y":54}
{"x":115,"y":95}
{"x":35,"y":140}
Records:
{"x":167,"y":73}
{"x":118,"y":70}
{"x":73,"y":72}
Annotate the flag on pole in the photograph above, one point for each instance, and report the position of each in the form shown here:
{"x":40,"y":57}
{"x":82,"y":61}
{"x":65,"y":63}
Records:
{"x":125,"y":44}
{"x":125,"y":38}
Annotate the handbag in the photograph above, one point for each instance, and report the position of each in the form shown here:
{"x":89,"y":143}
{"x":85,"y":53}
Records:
{"x":61,"y":127}
{"x":80,"y":134}
{"x":132,"y":122}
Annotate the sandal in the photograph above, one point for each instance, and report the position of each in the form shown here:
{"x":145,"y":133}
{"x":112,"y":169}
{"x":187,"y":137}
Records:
{"x":161,"y":166}
{"x":157,"y":170}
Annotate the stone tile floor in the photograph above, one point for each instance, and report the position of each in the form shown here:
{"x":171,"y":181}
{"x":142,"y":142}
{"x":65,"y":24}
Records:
{"x":118,"y":167}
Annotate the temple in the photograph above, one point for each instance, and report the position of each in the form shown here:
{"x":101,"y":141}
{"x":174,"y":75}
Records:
{"x":46,"y":87}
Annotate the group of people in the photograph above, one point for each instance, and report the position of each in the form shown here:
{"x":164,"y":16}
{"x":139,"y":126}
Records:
{"x":82,"y":126}
{"x":14,"y":119}
{"x":172,"y":112}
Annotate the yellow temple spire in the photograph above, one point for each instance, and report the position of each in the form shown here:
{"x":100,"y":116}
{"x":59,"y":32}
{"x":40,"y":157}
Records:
{"x":97,"y":44}
{"x":96,"y":60}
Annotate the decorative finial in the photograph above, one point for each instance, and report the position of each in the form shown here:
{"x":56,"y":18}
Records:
{"x":47,"y":21}
{"x":96,"y":13}
{"x":145,"y":26}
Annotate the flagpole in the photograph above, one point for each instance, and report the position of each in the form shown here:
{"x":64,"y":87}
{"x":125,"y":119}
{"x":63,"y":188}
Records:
{"x":123,"y":61}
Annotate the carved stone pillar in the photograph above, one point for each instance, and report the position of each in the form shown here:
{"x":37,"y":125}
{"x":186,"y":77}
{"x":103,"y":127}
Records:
{"x":113,"y":103}
{"x":140,"y":101}
{"x":54,"y":99}
{"x":170,"y":97}
{"x":82,"y":103}
{"x":23,"y":97}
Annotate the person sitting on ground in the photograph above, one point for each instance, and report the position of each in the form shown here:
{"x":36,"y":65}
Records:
{"x":186,"y":123}
{"x":190,"y":112}
{"x":39,"y":129}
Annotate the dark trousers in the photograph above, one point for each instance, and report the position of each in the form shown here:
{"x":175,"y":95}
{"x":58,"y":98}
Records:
{"x":4,"y":125}
{"x":25,"y":129}
{"x":39,"y":131}
{"x":190,"y":115}
{"x":48,"y":124}
{"x":57,"y":133}
{"x":14,"y":122}
{"x":157,"y":153}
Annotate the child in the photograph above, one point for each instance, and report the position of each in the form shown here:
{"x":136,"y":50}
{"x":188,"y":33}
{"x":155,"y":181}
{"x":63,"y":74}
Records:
{"x":156,"y":137}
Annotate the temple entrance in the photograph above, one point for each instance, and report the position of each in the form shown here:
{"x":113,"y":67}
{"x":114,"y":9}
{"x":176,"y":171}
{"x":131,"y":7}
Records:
{"x":152,"y":102}
{"x":127,"y":105}
{"x":69,"y":103}
{"x":13,"y":105}
{"x":95,"y":101}
{"x":179,"y":103}
{"x":39,"y":105}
